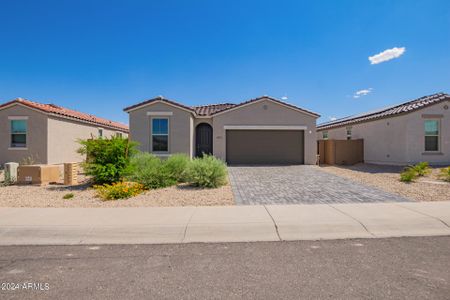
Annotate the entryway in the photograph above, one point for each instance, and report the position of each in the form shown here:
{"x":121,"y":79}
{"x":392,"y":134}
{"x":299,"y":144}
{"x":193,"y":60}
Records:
{"x":203,"y":139}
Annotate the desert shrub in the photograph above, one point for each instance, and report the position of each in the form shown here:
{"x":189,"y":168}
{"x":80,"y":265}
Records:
{"x":445,"y":174}
{"x":421,"y":169}
{"x":68,"y":196}
{"x":207,"y":171}
{"x":107,"y":160}
{"x":408,"y":175}
{"x":150,"y":171}
{"x":177,"y":165}
{"x":118,"y":190}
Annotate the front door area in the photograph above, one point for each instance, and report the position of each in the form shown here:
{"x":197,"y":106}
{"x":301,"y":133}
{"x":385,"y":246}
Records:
{"x":203,"y":139}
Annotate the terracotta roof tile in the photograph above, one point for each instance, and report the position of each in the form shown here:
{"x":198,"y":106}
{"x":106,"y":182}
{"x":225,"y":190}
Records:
{"x":207,"y":110}
{"x":65,"y":112}
{"x":403,"y":108}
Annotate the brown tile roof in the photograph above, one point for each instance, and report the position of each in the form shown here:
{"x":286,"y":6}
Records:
{"x":69,"y":113}
{"x":403,"y":108}
{"x":212,"y":109}
{"x":207,"y":110}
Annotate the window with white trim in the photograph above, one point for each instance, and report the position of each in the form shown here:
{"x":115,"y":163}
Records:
{"x":119,"y":134}
{"x":431,"y":135}
{"x":160,"y":134}
{"x":19,"y":133}
{"x":100,"y":132}
{"x":325,"y":135}
{"x":349,"y":132}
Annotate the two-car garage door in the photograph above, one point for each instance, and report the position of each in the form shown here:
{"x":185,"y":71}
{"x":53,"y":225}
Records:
{"x":265,"y":146}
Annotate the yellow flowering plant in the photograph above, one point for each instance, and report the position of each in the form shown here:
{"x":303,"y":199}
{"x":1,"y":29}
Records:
{"x":118,"y":190}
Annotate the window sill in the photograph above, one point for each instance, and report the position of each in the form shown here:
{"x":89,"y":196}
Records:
{"x":17,"y":148}
{"x":432,"y":153}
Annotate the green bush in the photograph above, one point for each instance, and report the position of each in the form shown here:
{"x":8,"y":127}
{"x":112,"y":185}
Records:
{"x":68,"y":196}
{"x":177,"y":165}
{"x":445,"y":174}
{"x":207,"y":171}
{"x":421,"y":169}
{"x":119,"y":190}
{"x":107,"y":160}
{"x":150,"y":171}
{"x":408,"y":175}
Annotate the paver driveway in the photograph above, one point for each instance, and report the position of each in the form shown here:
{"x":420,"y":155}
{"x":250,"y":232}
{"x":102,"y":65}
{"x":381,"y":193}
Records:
{"x":300,"y":185}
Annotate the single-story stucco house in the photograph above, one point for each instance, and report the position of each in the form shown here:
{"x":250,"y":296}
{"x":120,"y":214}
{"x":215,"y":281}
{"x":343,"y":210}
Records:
{"x":264,"y":130}
{"x":411,"y":132}
{"x":48,"y":133}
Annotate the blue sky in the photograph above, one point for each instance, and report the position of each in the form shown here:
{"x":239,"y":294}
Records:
{"x":101,"y":56}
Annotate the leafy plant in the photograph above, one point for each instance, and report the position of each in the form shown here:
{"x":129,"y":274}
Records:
{"x":408,"y":175}
{"x":29,"y":160}
{"x":119,"y":190}
{"x":445,"y":174}
{"x":207,"y":171}
{"x":107,"y":160}
{"x":68,"y":196}
{"x":151,"y":172}
{"x":177,"y":165}
{"x":422,"y":168}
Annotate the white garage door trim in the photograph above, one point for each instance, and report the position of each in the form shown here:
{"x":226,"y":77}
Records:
{"x":264,"y":127}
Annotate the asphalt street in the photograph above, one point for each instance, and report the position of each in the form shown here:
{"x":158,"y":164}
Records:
{"x":394,"y":268}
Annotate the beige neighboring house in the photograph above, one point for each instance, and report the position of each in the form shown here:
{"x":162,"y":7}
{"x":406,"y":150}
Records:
{"x":264,"y":130}
{"x":48,"y":133}
{"x":411,"y":132}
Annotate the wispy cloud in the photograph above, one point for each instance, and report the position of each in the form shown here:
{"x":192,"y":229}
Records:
{"x":332,"y":118}
{"x":386,"y":55}
{"x":361,"y":93}
{"x":284,"y":98}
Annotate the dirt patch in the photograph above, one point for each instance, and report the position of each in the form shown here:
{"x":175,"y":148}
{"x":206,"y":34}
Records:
{"x":84,"y":196}
{"x":428,"y":188}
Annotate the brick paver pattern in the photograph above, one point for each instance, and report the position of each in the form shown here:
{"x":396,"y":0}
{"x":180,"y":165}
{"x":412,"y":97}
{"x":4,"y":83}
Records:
{"x":300,"y":185}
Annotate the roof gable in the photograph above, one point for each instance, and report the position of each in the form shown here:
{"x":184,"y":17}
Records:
{"x":392,"y":111}
{"x":158,"y":99}
{"x":266,"y":98}
{"x":52,"y":109}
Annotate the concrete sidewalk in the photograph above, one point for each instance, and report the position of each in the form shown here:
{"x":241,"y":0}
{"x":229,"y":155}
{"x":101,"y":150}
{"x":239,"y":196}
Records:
{"x":68,"y":226}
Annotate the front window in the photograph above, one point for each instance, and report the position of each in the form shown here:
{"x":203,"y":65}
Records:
{"x":431,"y":135}
{"x":119,"y":134}
{"x":349,"y":133}
{"x":160,"y":135}
{"x":100,"y":133}
{"x":325,"y":135}
{"x":18,"y":133}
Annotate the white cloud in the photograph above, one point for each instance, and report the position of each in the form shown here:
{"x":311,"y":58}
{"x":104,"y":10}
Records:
{"x":386,"y":55}
{"x":332,"y":118}
{"x":284,"y":98}
{"x":361,"y":93}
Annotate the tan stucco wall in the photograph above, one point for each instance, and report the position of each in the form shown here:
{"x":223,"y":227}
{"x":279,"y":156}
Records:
{"x":399,"y":140}
{"x":180,"y":128}
{"x":255,"y":114}
{"x":36,"y":135}
{"x":63,"y":135}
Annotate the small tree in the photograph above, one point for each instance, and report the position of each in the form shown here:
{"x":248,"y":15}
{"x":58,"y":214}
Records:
{"x":107,"y":160}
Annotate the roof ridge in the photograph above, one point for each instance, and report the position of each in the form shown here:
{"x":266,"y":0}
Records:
{"x":68,"y":112}
{"x":388,"y":111}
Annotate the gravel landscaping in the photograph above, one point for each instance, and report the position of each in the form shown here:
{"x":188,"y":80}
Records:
{"x":52,"y":196}
{"x":427,"y":188}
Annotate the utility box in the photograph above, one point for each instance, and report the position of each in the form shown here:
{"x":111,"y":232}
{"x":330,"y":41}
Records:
{"x":70,"y":173}
{"x":38,"y":174}
{"x":11,"y":172}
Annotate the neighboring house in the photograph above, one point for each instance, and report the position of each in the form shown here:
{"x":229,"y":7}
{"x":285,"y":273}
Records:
{"x":48,"y":133}
{"x":259,"y":131}
{"x":414,"y":131}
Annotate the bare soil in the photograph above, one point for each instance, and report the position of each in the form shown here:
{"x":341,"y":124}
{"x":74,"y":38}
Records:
{"x":387,"y":178}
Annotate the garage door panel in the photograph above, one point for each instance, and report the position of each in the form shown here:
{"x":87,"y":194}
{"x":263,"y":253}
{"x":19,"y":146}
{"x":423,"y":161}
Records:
{"x":265,"y":146}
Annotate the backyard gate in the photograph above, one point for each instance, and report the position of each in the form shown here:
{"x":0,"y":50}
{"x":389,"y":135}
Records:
{"x":341,"y":152}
